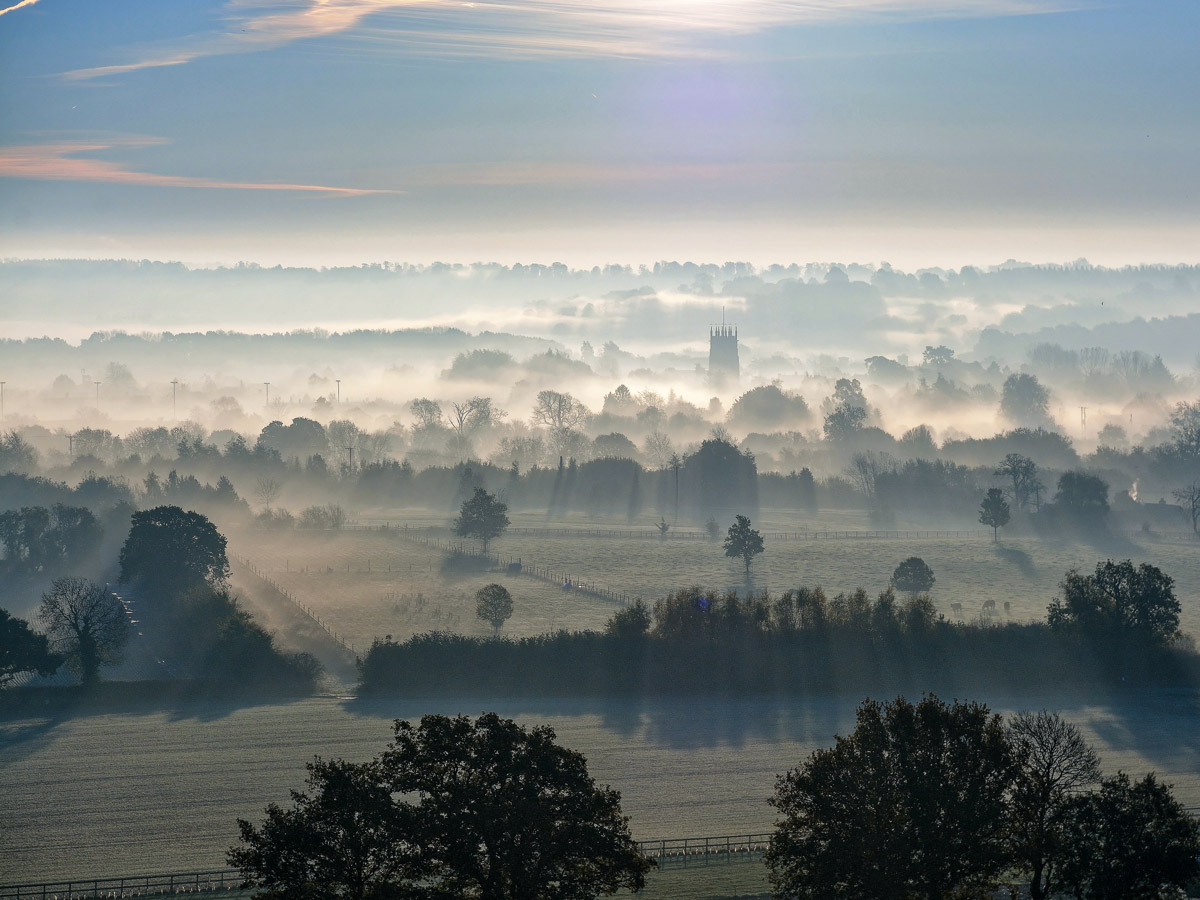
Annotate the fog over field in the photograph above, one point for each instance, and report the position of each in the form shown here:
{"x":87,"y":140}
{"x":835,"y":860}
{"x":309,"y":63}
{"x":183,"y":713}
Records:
{"x":795,"y":404}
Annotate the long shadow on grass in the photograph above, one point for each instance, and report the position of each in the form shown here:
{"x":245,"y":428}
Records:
{"x":1018,"y":558}
{"x":1158,"y":724}
{"x":179,"y":701}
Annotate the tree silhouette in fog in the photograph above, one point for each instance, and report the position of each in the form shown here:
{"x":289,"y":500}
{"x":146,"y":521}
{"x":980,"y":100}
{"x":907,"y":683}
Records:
{"x":994,"y":511}
{"x":482,"y":517}
{"x":743,"y":541}
{"x":172,"y":551}
{"x":914,"y":576}
{"x":86,"y":624}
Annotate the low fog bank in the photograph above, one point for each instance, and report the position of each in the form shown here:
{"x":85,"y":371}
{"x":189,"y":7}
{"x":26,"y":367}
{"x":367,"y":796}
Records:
{"x":851,"y":310}
{"x":859,"y":387}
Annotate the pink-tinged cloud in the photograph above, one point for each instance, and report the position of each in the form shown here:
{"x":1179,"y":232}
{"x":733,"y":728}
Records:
{"x":533,"y":28}
{"x":61,"y":162}
{"x":18,"y":6}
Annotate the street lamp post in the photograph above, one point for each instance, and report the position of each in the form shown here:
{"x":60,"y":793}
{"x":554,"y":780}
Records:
{"x":339,"y":389}
{"x":174,"y":384}
{"x":267,"y":385}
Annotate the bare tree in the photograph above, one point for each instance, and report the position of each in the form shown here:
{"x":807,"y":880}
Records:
{"x":865,"y":468}
{"x":85,"y":623}
{"x":1055,"y":762}
{"x":467,"y":419}
{"x":1189,"y":499}
{"x":658,"y":448}
{"x":559,"y":411}
{"x":1094,"y":361}
{"x":266,"y":491}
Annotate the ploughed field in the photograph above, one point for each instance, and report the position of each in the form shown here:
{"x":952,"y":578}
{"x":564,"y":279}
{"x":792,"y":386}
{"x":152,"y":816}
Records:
{"x":159,"y":788}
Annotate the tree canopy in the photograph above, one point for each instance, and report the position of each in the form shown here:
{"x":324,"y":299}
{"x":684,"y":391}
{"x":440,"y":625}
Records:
{"x":994,"y":511}
{"x":1082,"y":498}
{"x":911,"y":804}
{"x":23,"y":650}
{"x":1131,"y":840}
{"x":171,"y":551}
{"x":744,"y":541}
{"x":1119,"y":600}
{"x":1023,"y":401}
{"x":482,"y":517}
{"x":494,"y":605}
{"x":481,"y":809}
{"x":343,"y":839}
{"x":914,"y":576}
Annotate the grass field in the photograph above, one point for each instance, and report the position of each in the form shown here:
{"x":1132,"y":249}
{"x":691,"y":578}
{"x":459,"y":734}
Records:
{"x":368,"y":584}
{"x":1024,"y":573}
{"x":160,"y":789}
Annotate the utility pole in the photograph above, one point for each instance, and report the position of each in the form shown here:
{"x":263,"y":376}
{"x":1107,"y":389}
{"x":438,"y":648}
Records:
{"x":351,"y":449}
{"x":71,"y":446}
{"x":339,"y":384}
{"x":97,"y":383}
{"x":174,"y":384}
{"x":267,"y":385}
{"x":2,"y":384}
{"x":1083,"y":422}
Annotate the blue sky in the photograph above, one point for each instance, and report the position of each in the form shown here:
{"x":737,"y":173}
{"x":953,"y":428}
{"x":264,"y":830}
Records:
{"x":331,"y":131}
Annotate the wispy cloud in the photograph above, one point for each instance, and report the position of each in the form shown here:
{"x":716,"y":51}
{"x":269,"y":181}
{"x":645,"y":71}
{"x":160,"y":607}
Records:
{"x":61,"y":161}
{"x":17,"y":6}
{"x":526,"y":28}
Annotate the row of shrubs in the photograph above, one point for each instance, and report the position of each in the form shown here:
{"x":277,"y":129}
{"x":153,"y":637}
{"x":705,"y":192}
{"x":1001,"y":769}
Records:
{"x":800,"y":641}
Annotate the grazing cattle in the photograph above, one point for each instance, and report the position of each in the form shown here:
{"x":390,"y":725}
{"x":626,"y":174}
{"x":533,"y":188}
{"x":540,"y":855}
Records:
{"x":1007,"y":607}
{"x":989,"y":606}
{"x":514,"y":568}
{"x":956,"y":608}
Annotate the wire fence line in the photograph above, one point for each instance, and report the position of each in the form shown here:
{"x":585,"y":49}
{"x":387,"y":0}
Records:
{"x":287,"y":595}
{"x":669,"y":851}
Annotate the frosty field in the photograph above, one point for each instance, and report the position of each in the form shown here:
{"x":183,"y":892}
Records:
{"x":159,"y":789}
{"x":371,"y":583}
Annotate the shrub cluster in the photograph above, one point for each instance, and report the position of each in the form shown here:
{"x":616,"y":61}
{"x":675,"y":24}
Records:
{"x":799,"y":641}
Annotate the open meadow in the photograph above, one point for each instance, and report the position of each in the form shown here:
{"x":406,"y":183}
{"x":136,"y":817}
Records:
{"x":369,"y":583}
{"x":158,"y":788}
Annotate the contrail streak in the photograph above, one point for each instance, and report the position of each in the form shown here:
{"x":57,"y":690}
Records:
{"x":18,"y":6}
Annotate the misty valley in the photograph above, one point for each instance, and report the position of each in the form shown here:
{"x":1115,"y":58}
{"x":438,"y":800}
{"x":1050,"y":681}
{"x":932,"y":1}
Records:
{"x":226,"y":552}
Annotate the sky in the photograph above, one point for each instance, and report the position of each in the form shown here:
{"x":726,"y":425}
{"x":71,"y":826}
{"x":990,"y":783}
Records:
{"x":323,"y":132}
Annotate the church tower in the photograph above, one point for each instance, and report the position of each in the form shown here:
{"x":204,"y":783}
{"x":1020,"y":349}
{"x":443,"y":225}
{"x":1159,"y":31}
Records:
{"x":723,"y":367}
